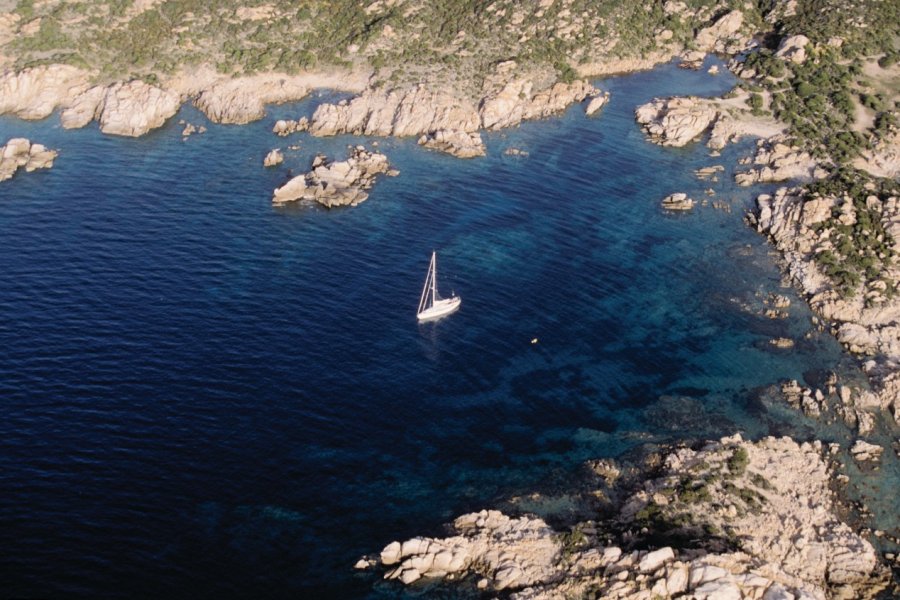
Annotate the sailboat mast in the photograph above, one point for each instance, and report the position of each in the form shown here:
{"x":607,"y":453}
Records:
{"x":433,"y":277}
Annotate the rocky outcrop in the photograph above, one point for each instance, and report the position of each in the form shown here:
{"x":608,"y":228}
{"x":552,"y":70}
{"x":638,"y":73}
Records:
{"x":776,"y":160}
{"x":285,"y":127}
{"x":721,"y":34}
{"x":517,"y":102}
{"x":512,"y":552}
{"x":418,"y":110}
{"x":882,"y":159}
{"x":335,"y":183}
{"x":134,"y":108}
{"x":21,"y":153}
{"x":35,"y":93}
{"x":675,"y":121}
{"x":458,"y":143}
{"x":803,"y":227}
{"x":758,"y":514}
{"x":130,"y":109}
{"x":273,"y":158}
{"x":404,"y":112}
{"x":243,"y":100}
{"x":862,"y":451}
{"x":677,"y":201}
{"x":84,"y":108}
{"x":596,"y":103}
{"x":793,"y":48}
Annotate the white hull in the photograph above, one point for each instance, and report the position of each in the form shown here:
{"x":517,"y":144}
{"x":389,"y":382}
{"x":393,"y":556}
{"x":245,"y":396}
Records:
{"x":440,"y":308}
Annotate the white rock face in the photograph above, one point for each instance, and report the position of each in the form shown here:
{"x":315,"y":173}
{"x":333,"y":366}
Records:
{"x":273,"y":158}
{"x":35,"y":93}
{"x":515,"y":102}
{"x":713,"y":37}
{"x":675,"y":121}
{"x":134,"y":108}
{"x":21,"y":153}
{"x":418,"y":110}
{"x":458,"y":143}
{"x":793,"y":48}
{"x":407,"y":112}
{"x":596,"y":103}
{"x":336,"y":183}
{"x":84,"y":108}
{"x":243,"y":99}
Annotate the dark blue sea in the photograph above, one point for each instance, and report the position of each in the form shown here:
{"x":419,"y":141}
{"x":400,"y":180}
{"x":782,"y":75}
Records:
{"x":203,"y":396}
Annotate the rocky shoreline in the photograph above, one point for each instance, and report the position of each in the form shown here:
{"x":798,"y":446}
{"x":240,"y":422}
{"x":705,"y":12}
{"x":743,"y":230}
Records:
{"x":804,"y":226}
{"x":727,"y":519}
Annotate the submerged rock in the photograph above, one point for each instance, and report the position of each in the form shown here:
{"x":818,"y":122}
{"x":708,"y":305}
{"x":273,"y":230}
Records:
{"x":677,"y":201}
{"x":457,"y":143}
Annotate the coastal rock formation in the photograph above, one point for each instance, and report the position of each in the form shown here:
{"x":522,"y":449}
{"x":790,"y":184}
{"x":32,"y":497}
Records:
{"x":678,"y":120}
{"x":883,"y":158}
{"x":134,"y":108}
{"x":596,"y":103}
{"x":21,"y":153}
{"x":405,"y":112}
{"x":130,"y":109}
{"x":758,"y":514}
{"x":274,"y":157}
{"x":35,"y":93}
{"x":862,"y":315}
{"x":84,"y":108}
{"x":778,"y":161}
{"x":515,"y":102}
{"x":458,"y":143}
{"x":793,"y":48}
{"x":512,"y":552}
{"x":716,"y":37}
{"x":335,"y":183}
{"x":243,"y":100}
{"x":419,"y":110}
{"x":677,"y":201}
{"x":863,"y":451}
{"x":675,"y":121}
{"x":285,"y":127}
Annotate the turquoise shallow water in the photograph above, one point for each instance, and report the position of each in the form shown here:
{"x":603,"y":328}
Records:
{"x":203,"y":395}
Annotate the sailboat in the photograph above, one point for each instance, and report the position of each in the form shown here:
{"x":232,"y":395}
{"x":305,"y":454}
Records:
{"x":432,"y":306}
